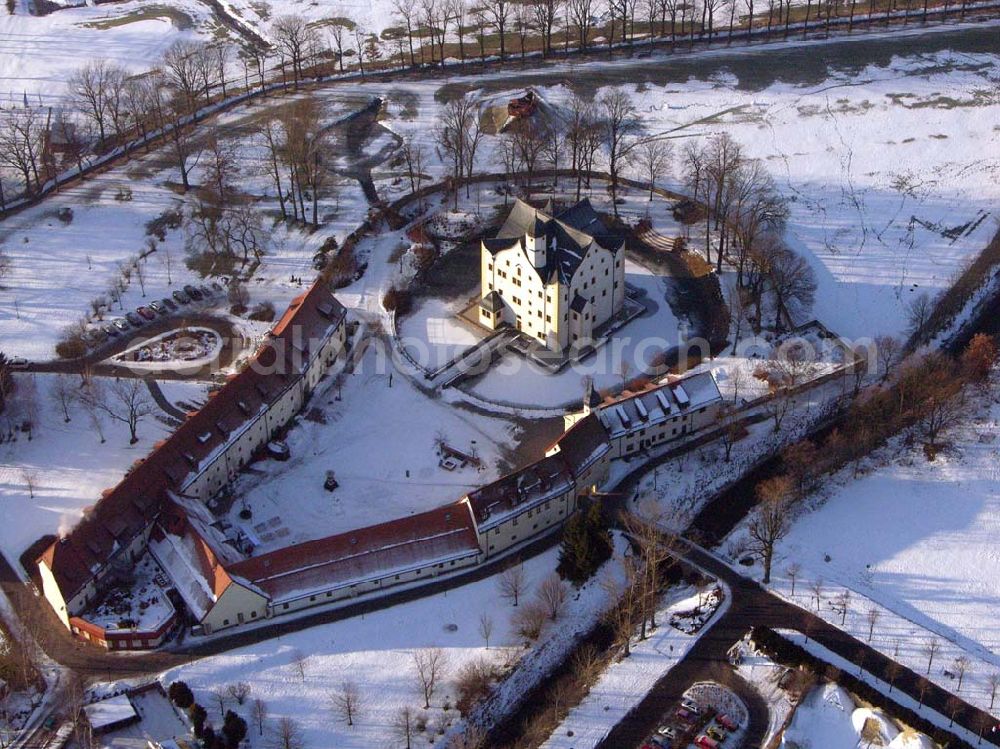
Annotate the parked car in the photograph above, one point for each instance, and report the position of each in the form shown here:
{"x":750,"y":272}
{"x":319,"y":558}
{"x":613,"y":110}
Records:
{"x":17,"y":362}
{"x":716,"y":733}
{"x":206,"y":290}
{"x":192,"y":292}
{"x":726,"y":722}
{"x":181,"y":297}
{"x":691,"y":706}
{"x":111,"y":330}
{"x":158,"y":307}
{"x":98,"y":334}
{"x":669,"y":731}
{"x":170,"y":304}
{"x":706,"y":743}
{"x":133,"y":318}
{"x":121,"y":324}
{"x":660,"y":741}
{"x":684,"y":715}
{"x":145,"y":312}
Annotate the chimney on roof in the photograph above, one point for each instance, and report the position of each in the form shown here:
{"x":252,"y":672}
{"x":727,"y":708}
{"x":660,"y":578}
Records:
{"x":535,"y":247}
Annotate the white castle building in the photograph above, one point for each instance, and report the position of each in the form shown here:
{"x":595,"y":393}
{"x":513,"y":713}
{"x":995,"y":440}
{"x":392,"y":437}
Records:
{"x":557,"y":278}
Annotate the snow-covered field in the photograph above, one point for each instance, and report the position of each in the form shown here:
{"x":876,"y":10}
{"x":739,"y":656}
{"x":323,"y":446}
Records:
{"x":66,"y":461}
{"x":891,"y":171}
{"x":914,"y":541}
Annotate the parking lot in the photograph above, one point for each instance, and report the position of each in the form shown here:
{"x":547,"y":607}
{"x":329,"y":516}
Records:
{"x":708,"y":716}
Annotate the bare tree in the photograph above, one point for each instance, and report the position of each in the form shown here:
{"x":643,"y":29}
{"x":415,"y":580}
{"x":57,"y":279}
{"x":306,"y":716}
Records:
{"x":893,"y":670}
{"x":22,"y":140}
{"x":30,"y":478}
{"x":842,"y":604}
{"x":346,"y":702}
{"x":930,"y":649}
{"x":498,"y":12}
{"x":125,"y":400}
{"x":817,"y":590}
{"x":65,"y":394}
{"x":770,"y":522}
{"x":552,"y":595}
{"x":259,"y":713}
{"x":286,"y":735}
{"x":430,"y":665}
{"x":581,"y":15}
{"x":793,"y":571}
{"x":403,"y":725}
{"x":624,"y":603}
{"x":620,"y":124}
{"x":457,"y":134}
{"x":962,"y":666}
{"x":918,"y":312}
{"x":530,"y":619}
{"x":653,"y":159}
{"x":546,"y":12}
{"x":511,"y":583}
{"x":296,"y":40}
{"x":300,"y":664}
{"x":872,"y":615}
{"x":730,"y":427}
{"x":793,"y":282}
{"x":485,"y":628}
{"x":97,"y":89}
{"x":221,"y":697}
{"x":993,"y":680}
{"x":239,"y":691}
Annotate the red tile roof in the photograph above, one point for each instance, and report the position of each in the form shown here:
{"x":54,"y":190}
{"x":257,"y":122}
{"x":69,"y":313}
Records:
{"x":417,"y":540}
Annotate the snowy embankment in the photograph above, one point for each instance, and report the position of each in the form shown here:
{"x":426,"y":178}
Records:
{"x":627,"y":681}
{"x":911,"y":543}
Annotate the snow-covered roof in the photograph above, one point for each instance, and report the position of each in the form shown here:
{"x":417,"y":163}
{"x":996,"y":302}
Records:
{"x":568,"y":236}
{"x":518,"y":492}
{"x":111,"y":712}
{"x":582,"y":444}
{"x":657,"y":404}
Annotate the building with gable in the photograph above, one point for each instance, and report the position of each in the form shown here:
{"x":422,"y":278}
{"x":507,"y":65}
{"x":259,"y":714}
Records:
{"x":556,"y":278}
{"x":202,"y":456}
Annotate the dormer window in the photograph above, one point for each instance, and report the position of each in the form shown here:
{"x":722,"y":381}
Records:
{"x":204,"y":437}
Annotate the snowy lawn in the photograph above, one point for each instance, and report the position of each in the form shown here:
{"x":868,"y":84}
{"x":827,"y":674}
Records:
{"x":66,"y":462}
{"x":433,"y":335}
{"x":379,"y":440}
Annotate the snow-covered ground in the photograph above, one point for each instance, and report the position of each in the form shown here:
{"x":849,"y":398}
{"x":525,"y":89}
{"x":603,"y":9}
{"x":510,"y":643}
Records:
{"x":379,"y":439}
{"x":38,"y":54}
{"x":376,"y":653}
{"x":66,"y":462}
{"x":915,"y":541}
{"x":891,"y":172}
{"x":627,"y":681}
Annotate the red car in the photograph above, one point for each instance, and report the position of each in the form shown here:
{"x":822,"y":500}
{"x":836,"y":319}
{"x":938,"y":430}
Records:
{"x":726,"y":722}
{"x":706,"y":743}
{"x":146,"y":312}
